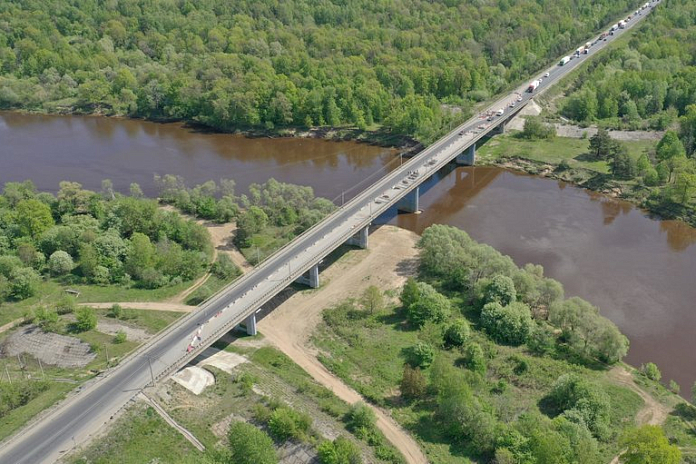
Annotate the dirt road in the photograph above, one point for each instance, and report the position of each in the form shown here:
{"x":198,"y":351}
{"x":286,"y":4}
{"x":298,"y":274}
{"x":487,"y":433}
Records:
{"x":390,"y":259}
{"x":151,"y":305}
{"x":653,"y":412}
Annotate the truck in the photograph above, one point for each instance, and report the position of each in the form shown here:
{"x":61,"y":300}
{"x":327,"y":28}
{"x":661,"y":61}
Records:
{"x":533,"y":86}
{"x":500,"y":112}
{"x":578,"y":51}
{"x":622,"y":24}
{"x":614,"y":27}
{"x":564,"y":60}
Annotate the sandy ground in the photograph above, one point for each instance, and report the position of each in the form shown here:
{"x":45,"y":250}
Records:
{"x":577,"y":132}
{"x":390,"y":259}
{"x":147,"y":305}
{"x":132,"y":333}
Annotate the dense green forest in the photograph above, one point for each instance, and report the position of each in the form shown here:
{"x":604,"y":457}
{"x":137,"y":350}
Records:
{"x":268,"y":63}
{"x":648,"y":81}
{"x":487,"y":362}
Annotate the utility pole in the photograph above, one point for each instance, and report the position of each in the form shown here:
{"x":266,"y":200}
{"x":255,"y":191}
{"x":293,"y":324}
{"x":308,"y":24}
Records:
{"x":43,"y":374}
{"x":9,"y":379}
{"x":152,"y":376}
{"x":343,"y":197}
{"x":106,"y":351}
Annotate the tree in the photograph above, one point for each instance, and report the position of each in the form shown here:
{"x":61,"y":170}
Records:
{"x":601,"y":144}
{"x":33,"y":218}
{"x":475,"y":359}
{"x":140,"y":255}
{"x":86,"y":319}
{"x":372,"y":299}
{"x":534,"y":129}
{"x":413,"y":383}
{"x":674,"y":387}
{"x":23,"y":282}
{"x":651,"y":371}
{"x":361,"y":416}
{"x":224,"y":267}
{"x":670,"y":147}
{"x":507,"y":324}
{"x":60,"y":263}
{"x":422,"y":354}
{"x":430,"y":306}
{"x":622,"y":164}
{"x":648,"y":445}
{"x":250,"y":445}
{"x":501,"y":290}
{"x":579,"y":399}
{"x":410,"y":293}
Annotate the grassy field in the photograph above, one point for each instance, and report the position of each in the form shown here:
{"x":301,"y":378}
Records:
{"x":368,"y":353}
{"x":63,"y":380}
{"x":139,"y":436}
{"x":552,"y":151}
{"x":275,"y":380}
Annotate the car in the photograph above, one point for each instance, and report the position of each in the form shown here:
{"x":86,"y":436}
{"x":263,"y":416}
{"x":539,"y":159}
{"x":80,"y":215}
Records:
{"x":512,"y":104}
{"x":461,"y":132}
{"x":481,"y":127}
{"x":547,"y":74}
{"x":519,"y":98}
{"x":489,"y":118}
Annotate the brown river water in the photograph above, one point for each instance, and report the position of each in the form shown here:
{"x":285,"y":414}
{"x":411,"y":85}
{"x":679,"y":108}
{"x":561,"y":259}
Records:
{"x":639,"y":271}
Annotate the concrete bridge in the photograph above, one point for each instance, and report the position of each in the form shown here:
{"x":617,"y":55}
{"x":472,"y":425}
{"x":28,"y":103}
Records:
{"x":83,"y":414}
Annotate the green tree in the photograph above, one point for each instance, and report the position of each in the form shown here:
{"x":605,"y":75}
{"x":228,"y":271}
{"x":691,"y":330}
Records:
{"x":372,"y":299}
{"x":23,"y":282}
{"x":507,"y":324}
{"x":430,"y":306}
{"x":410,"y":293}
{"x":85,"y":319}
{"x":413,"y":383}
{"x":601,"y":144}
{"x":339,"y":451}
{"x":648,"y":445}
{"x":361,"y":416}
{"x":421,"y":355}
{"x":535,"y":129}
{"x":60,"y":263}
{"x":651,"y":371}
{"x":576,"y":397}
{"x":140,"y":255}
{"x":250,"y":445}
{"x":501,"y":290}
{"x":33,"y":217}
{"x":475,"y":359}
{"x":622,"y":164}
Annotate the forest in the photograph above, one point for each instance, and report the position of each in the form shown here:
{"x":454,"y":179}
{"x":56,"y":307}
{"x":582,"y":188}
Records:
{"x":409,"y":66}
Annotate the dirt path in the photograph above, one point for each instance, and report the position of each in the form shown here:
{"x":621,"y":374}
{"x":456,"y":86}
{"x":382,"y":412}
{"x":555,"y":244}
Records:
{"x":147,"y":305}
{"x":654,"y":412}
{"x":387,"y":264}
{"x":9,"y":325}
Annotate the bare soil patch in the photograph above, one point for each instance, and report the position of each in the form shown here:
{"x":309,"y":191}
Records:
{"x":654,"y":412}
{"x":389,"y":261}
{"x":50,"y":348}
{"x":146,"y":305}
{"x":132,"y":333}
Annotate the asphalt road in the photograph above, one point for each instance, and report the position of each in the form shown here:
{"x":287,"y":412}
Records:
{"x":76,"y":419}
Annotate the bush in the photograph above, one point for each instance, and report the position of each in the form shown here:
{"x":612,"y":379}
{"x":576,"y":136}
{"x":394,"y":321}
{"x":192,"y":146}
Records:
{"x":339,"y":451}
{"x":474,"y":358}
{"x":46,"y":319}
{"x":581,"y":401}
{"x":651,"y":371}
{"x":23,"y":282}
{"x":120,"y":337}
{"x":250,"y":445}
{"x":86,"y":319}
{"x":65,"y":305}
{"x":116,"y":311}
{"x":421,"y":355}
{"x":501,"y":290}
{"x":413,"y":383}
{"x":457,"y":333}
{"x":223,"y":267}
{"x":286,"y":423}
{"x":430,"y":306}
{"x":360,"y":416}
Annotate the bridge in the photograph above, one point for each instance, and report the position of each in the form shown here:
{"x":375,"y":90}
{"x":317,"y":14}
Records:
{"x":80,"y":416}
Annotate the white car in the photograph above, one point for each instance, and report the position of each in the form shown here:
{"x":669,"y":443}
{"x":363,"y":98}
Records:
{"x":547,"y":75}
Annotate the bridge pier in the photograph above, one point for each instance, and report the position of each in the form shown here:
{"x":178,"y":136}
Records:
{"x":499,"y":129}
{"x":360,"y":239}
{"x":468,"y":157}
{"x":410,"y":203}
{"x":310,"y":278}
{"x":250,"y":325}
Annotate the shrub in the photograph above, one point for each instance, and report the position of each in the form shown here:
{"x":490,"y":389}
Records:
{"x":120,"y":337}
{"x":501,"y":289}
{"x":413,"y":383}
{"x":474,"y":358}
{"x":339,"y":451}
{"x":223,"y":267}
{"x":116,"y":311}
{"x":360,"y":416}
{"x":581,"y":401}
{"x":286,"y":423}
{"x":250,"y":445}
{"x":651,"y":371}
{"x":86,"y":319}
{"x":47,"y":319}
{"x":421,"y":355}
{"x":457,"y":333}
{"x":65,"y":305}
{"x":510,"y":324}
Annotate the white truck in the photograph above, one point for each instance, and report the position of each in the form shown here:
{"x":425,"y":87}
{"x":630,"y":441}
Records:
{"x":533,"y":86}
{"x":622,"y":24}
{"x":564,"y":61}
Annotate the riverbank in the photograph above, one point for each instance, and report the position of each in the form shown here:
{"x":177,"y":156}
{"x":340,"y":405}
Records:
{"x":566,"y":159}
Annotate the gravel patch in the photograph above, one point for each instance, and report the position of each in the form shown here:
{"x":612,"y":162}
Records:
{"x":132,"y":333}
{"x":50,"y":348}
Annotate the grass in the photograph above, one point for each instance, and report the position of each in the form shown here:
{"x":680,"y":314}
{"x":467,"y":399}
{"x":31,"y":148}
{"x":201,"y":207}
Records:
{"x":139,"y":436}
{"x":266,"y":242}
{"x":367,"y":352}
{"x":152,"y":321}
{"x":553,"y":151}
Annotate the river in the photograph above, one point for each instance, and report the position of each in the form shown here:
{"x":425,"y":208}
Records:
{"x":640,"y":272}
